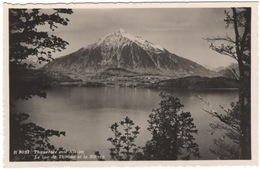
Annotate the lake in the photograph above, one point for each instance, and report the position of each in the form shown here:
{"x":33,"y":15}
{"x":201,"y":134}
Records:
{"x":86,"y":114}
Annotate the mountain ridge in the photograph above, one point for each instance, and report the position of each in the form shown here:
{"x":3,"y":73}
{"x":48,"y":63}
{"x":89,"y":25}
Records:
{"x":120,"y":49}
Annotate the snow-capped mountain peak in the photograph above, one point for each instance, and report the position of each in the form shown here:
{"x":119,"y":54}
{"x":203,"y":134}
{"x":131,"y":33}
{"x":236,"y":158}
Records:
{"x":120,"y":49}
{"x":140,"y":41}
{"x":123,"y":37}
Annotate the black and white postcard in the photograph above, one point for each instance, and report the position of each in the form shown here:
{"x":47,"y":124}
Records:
{"x":149,"y":84}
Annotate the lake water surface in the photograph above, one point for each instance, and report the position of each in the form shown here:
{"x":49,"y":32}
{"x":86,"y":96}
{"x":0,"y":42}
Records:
{"x":86,"y":114}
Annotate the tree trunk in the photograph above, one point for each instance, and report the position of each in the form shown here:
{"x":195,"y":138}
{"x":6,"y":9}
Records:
{"x":245,"y":120}
{"x":244,"y":94}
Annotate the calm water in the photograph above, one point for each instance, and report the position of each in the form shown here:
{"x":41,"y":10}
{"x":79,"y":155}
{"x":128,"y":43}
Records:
{"x":86,"y":114}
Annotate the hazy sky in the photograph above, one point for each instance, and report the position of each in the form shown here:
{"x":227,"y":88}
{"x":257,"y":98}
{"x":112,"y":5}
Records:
{"x":180,"y":31}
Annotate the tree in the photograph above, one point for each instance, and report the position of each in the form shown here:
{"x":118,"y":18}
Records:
{"x":99,"y":157}
{"x":124,"y":148}
{"x":238,"y":46}
{"x":27,"y":40}
{"x":227,"y":146}
{"x":28,"y":137}
{"x":172,"y":132}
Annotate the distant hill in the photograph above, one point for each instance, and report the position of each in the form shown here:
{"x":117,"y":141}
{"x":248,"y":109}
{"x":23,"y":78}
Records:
{"x":197,"y":82}
{"x":47,"y":78}
{"x":125,"y":78}
{"x":123,"y":50}
{"x":230,"y":71}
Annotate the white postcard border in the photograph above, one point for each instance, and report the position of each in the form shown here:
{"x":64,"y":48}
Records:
{"x":254,"y":89}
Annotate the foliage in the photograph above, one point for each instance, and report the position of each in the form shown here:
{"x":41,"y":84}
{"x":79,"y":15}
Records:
{"x":28,"y":137}
{"x":238,"y":47}
{"x":99,"y":156}
{"x":25,"y":37}
{"x":172,"y":135}
{"x":172,"y":132}
{"x":124,"y":147}
{"x":227,"y":146}
{"x":28,"y":41}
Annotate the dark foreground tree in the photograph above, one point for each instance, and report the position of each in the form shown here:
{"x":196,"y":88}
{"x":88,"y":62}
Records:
{"x":228,"y":127}
{"x":172,"y":132}
{"x":124,"y":148}
{"x":238,"y":46}
{"x":27,"y":139}
{"x":29,"y":38}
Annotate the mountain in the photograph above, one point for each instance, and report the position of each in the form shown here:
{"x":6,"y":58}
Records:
{"x":230,"y":71}
{"x":231,"y":66}
{"x":123,"y":50}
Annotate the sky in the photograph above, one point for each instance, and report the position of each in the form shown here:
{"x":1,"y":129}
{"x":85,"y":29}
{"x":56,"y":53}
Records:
{"x":179,"y":30}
